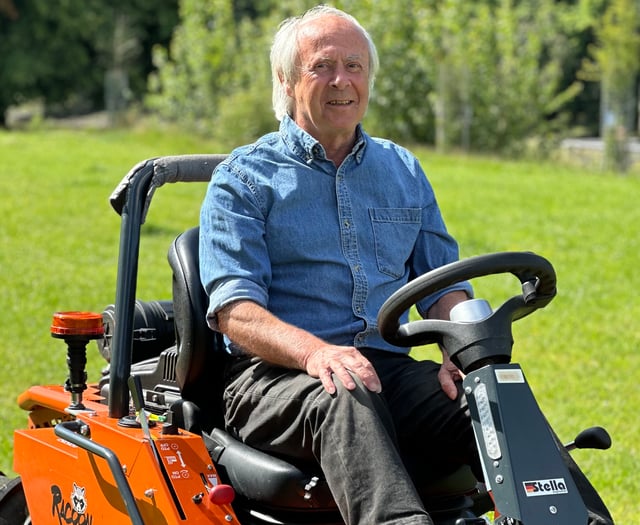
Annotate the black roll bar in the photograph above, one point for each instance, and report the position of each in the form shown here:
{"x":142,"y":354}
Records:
{"x":131,"y":200}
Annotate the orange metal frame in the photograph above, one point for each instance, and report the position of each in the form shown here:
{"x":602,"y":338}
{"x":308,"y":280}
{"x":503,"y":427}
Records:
{"x":66,"y":484}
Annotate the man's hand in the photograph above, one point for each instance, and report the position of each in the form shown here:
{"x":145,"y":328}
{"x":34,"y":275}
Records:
{"x":448,"y":376}
{"x":260,"y":333}
{"x":449,"y":373}
{"x":343,"y":362}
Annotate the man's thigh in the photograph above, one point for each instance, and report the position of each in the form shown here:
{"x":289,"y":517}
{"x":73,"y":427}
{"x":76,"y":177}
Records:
{"x":287,"y":412}
{"x":434,"y":432}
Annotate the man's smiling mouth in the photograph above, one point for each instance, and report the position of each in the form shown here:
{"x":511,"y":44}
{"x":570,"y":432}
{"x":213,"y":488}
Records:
{"x":340,"y":102}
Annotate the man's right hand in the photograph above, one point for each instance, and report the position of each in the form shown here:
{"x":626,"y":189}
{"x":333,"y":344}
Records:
{"x":260,"y":333}
{"x":341,"y":362}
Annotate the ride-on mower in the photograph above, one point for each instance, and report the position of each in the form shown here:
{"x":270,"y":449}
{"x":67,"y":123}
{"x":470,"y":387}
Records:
{"x":145,"y":444}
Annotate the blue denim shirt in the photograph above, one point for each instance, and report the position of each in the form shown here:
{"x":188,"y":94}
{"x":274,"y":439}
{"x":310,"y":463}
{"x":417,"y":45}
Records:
{"x":320,"y":247}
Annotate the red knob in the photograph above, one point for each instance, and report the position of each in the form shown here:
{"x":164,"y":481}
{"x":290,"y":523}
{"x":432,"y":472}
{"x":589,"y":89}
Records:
{"x":222,"y":494}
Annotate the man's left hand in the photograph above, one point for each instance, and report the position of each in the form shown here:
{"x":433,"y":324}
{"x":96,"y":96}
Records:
{"x":449,"y":375}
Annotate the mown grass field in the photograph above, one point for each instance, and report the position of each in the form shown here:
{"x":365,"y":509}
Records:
{"x":59,"y":239}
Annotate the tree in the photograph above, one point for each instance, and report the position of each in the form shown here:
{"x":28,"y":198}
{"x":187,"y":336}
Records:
{"x":215,"y":76}
{"x":616,"y":65}
{"x":192,"y":74}
{"x":486,"y":75}
{"x":45,"y":51}
{"x":60,"y":50}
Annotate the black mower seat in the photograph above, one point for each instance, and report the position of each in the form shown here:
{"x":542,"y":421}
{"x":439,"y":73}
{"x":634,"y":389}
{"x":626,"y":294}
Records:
{"x":258,"y":476}
{"x":255,"y":475}
{"x":200,"y":366}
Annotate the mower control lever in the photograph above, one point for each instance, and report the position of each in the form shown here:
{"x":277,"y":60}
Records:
{"x":135,"y":386}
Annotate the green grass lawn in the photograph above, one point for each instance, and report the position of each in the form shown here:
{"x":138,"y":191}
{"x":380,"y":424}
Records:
{"x":59,"y":239}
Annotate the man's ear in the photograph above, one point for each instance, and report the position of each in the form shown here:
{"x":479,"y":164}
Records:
{"x":288,"y":87}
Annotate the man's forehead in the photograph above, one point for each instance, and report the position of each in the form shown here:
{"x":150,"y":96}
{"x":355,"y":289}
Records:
{"x":330,"y":34}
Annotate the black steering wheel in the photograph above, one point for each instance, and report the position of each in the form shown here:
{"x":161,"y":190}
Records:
{"x":470,"y":344}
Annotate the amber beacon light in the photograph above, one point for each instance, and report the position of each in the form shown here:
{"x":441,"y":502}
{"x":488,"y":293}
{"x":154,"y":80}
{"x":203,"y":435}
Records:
{"x":77,"y":329}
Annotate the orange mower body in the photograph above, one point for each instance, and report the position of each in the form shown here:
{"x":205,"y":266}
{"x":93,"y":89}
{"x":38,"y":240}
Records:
{"x":67,"y":484}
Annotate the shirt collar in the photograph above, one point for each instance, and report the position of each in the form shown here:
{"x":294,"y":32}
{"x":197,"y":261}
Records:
{"x":308,"y":148}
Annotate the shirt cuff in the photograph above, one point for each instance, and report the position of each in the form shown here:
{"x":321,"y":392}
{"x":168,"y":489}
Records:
{"x":231,"y":291}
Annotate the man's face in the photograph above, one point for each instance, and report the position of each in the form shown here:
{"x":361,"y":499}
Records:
{"x":331,"y":91}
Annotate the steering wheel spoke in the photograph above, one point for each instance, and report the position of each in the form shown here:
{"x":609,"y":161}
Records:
{"x":423,"y":331}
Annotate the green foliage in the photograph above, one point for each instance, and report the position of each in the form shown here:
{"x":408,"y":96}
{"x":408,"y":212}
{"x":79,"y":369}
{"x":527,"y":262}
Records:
{"x":32,"y":58}
{"x":491,"y":75}
{"x":617,"y":53}
{"x":616,"y":65}
{"x":399,"y":105}
{"x":476,"y":75}
{"x":194,"y":78}
{"x":246,"y":112}
{"x":216,"y":76}
{"x":488,"y":73}
{"x":60,"y":50}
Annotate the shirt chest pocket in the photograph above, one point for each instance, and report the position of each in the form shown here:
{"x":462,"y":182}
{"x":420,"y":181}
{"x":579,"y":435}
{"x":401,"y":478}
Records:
{"x":395,"y":231}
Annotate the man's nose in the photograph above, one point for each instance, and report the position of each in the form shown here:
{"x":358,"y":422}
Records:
{"x":341,"y":78}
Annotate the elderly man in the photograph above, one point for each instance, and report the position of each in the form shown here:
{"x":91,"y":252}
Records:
{"x":304,"y":234}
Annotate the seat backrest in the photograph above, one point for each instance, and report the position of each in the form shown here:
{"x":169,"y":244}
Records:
{"x":201,"y":354}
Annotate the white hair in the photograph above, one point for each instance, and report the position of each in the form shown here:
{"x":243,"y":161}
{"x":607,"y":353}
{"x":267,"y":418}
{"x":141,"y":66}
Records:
{"x":285,"y":51}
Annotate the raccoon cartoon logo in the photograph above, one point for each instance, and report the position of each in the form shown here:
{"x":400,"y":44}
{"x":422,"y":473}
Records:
{"x":78,"y":500}
{"x":72,"y":512}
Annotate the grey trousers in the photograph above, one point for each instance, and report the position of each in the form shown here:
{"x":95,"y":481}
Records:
{"x":372,"y":448}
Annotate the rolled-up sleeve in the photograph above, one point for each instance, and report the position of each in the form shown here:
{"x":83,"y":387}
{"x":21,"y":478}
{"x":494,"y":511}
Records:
{"x":234,"y":262}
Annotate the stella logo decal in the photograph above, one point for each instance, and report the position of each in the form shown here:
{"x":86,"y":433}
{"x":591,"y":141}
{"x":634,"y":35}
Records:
{"x":72,"y":512}
{"x":545,"y":487}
